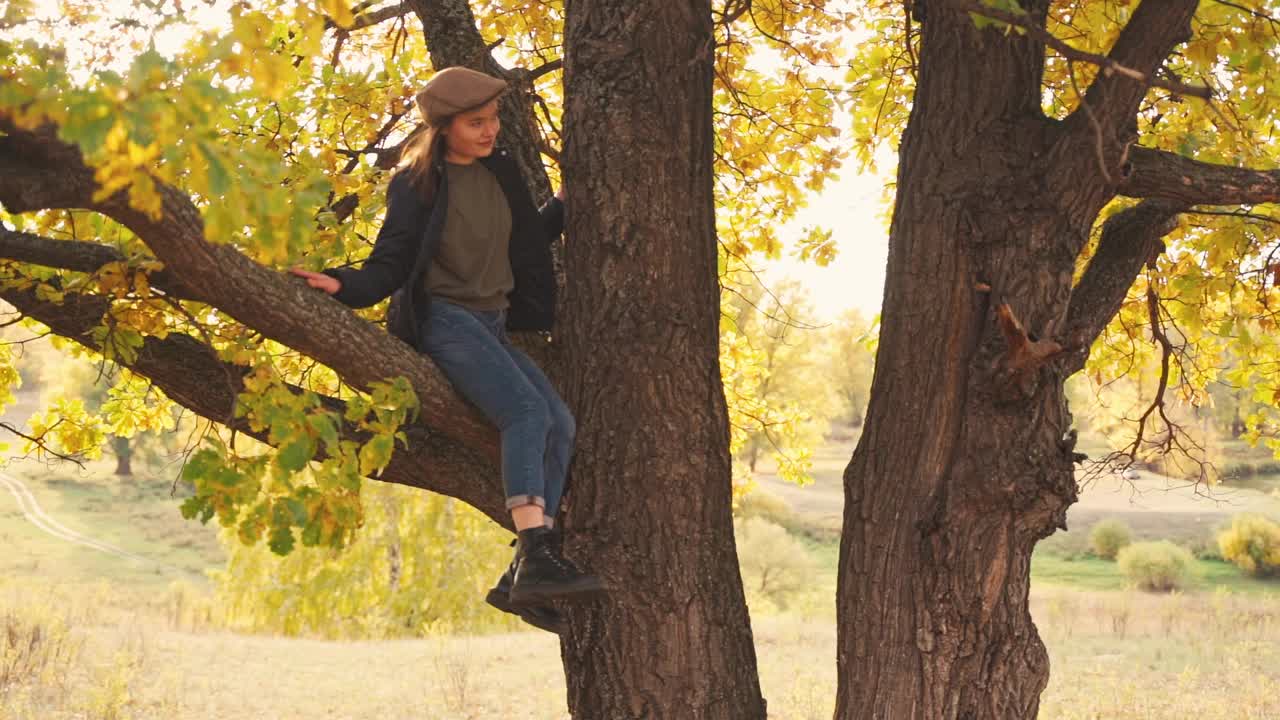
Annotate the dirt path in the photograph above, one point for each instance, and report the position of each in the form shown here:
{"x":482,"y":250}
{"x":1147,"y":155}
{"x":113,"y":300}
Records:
{"x":36,"y":515}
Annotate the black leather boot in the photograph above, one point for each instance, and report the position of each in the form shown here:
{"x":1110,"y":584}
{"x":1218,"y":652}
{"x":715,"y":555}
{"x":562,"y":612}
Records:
{"x":543,"y":617}
{"x":543,"y":574}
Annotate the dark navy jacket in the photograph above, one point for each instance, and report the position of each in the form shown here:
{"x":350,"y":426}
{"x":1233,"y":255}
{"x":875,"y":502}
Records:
{"x":411,"y":233}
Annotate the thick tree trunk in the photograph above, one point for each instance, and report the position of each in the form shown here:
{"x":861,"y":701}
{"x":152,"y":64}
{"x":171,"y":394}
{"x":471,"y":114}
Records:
{"x":965,"y":460}
{"x":649,"y":507}
{"x":956,"y":474}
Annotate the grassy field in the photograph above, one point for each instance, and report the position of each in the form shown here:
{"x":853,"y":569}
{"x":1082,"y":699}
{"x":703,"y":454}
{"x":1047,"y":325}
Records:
{"x":1091,"y":573}
{"x":137,"y":514}
{"x":125,"y":642}
{"x":1212,"y":656}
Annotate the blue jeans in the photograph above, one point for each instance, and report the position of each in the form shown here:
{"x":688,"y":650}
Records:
{"x":471,"y":348}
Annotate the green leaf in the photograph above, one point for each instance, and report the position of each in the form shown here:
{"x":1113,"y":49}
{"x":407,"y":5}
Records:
{"x":88,"y":124}
{"x":293,"y":455}
{"x":193,"y":506}
{"x":201,"y":465}
{"x":376,"y":454}
{"x":281,"y":542}
{"x":218,"y":176}
{"x":297,"y":510}
{"x":311,"y":534}
{"x":326,"y":427}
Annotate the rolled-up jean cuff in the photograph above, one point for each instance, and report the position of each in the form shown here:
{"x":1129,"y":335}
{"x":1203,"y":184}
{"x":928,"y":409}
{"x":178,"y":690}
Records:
{"x":516,"y":501}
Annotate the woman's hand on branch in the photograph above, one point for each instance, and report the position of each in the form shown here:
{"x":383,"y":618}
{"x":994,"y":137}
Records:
{"x":319,"y":281}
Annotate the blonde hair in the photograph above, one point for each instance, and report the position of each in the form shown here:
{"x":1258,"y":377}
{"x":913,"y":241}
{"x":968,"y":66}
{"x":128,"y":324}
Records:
{"x":420,"y":155}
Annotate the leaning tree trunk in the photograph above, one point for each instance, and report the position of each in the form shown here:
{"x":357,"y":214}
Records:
{"x":649,"y":505}
{"x":965,"y":460}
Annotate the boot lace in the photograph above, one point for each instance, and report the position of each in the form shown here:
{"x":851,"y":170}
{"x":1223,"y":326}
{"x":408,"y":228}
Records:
{"x":551,"y":554}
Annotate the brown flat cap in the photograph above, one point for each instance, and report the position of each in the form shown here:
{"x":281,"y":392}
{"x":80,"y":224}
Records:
{"x":457,"y":89}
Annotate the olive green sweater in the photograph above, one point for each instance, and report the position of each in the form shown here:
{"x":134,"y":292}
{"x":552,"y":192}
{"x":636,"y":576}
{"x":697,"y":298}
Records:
{"x":471,"y":266}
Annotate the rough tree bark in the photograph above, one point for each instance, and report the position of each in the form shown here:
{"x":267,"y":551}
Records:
{"x":965,"y":460}
{"x":650,"y":501}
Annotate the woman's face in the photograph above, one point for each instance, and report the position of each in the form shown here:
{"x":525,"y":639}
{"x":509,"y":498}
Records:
{"x":472,"y":134}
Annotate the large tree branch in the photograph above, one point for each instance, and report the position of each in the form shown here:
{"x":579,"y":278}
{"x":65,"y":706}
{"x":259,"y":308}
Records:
{"x":1099,"y":133}
{"x":85,"y":257}
{"x":190,"y":373}
{"x":1162,"y":174}
{"x":74,"y":255}
{"x":266,"y":300}
{"x":1130,"y":239}
{"x":1108,"y":65}
{"x":32,"y":175}
{"x":1156,"y":27}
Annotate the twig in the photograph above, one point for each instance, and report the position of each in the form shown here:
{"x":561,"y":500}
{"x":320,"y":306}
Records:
{"x":545,"y":68}
{"x":363,"y":20}
{"x":1275,"y":24}
{"x":40,"y":443}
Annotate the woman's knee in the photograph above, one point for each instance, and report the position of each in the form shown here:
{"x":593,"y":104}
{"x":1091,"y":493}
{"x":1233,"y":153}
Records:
{"x":562,"y":422}
{"x":534,"y":411}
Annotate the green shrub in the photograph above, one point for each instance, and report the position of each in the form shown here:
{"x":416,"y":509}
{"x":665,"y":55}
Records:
{"x":1065,"y":545}
{"x":775,"y":566}
{"x":1159,"y":566}
{"x":1109,"y":537}
{"x":1252,"y":543}
{"x":760,"y":503}
{"x":1206,"y":546}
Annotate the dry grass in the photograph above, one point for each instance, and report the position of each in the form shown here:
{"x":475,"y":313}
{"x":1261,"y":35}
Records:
{"x":139,"y":648}
{"x":1134,"y":655}
{"x":1211,"y":656}
{"x":35,"y":649}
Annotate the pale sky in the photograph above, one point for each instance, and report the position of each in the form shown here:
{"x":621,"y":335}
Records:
{"x":853,"y":210}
